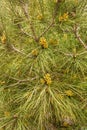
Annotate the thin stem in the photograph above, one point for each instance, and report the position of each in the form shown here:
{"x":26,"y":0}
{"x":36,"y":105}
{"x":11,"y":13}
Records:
{"x":66,"y":54}
{"x":24,"y":80}
{"x":27,"y":34}
{"x":53,"y":18}
{"x":25,"y":10}
{"x":17,"y":50}
{"x":46,"y":30}
{"x":76,"y":29}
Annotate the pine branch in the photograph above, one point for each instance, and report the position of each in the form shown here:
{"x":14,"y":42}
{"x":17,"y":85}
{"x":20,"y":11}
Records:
{"x":19,"y":81}
{"x":24,"y":80}
{"x":17,"y":50}
{"x":27,"y":34}
{"x":76,"y":32}
{"x":53,"y":19}
{"x":46,"y":30}
{"x":25,"y":10}
{"x":56,"y":8}
{"x":66,"y":54}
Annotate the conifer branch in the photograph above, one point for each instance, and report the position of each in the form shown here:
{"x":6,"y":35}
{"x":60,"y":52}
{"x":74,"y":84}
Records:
{"x":76,"y":32}
{"x":25,"y":10}
{"x":24,"y":32}
{"x":53,"y":19}
{"x":17,"y":50}
{"x":66,"y":54}
{"x":46,"y":30}
{"x":71,"y":54}
{"x":56,"y":8}
{"x":19,"y":81}
{"x":49,"y":89}
{"x":27,"y":34}
{"x":24,"y":80}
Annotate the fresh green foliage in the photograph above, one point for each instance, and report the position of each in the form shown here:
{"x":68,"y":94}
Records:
{"x":43,"y":64}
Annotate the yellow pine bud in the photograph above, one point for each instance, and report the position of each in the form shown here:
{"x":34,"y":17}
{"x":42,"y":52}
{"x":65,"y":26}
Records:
{"x":40,"y":17}
{"x":65,"y":16}
{"x":45,"y":45}
{"x":3,"y":39}
{"x":60,"y":18}
{"x":47,"y":78}
{"x":43,"y":42}
{"x":34,"y":52}
{"x":69,"y":93}
{"x":49,"y":81}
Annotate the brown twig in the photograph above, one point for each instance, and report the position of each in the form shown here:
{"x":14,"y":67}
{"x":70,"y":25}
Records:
{"x":19,"y":81}
{"x":46,"y":30}
{"x":76,"y":32}
{"x":17,"y":50}
{"x":11,"y":47}
{"x":24,"y":80}
{"x":56,"y":8}
{"x":25,"y":10}
{"x":66,"y":54}
{"x":27,"y":34}
{"x":53,"y":18}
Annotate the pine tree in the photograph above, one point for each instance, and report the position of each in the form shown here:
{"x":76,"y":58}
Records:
{"x":43,"y":64}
